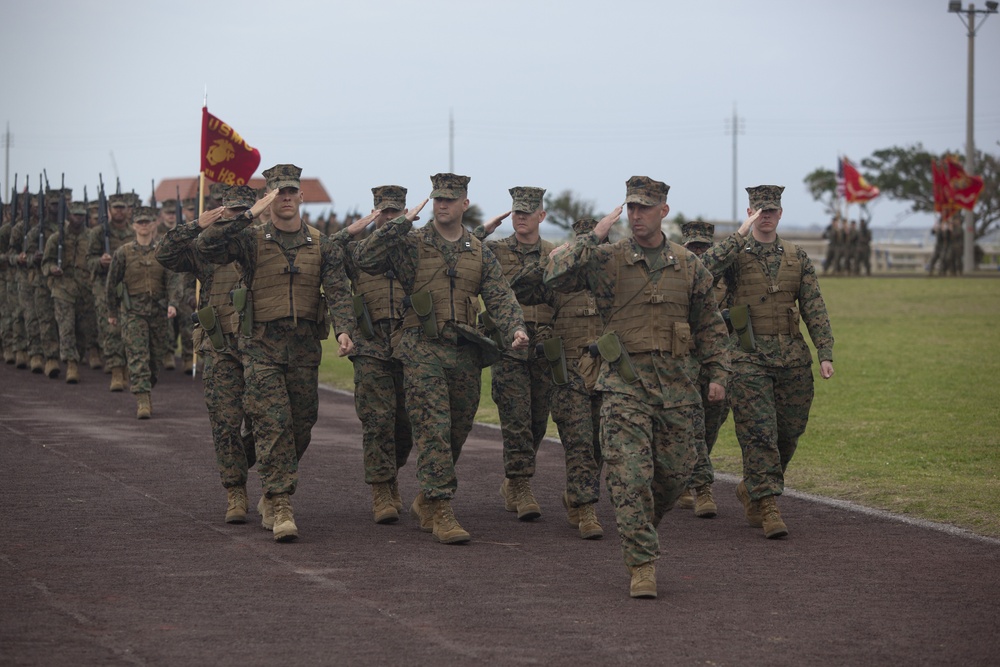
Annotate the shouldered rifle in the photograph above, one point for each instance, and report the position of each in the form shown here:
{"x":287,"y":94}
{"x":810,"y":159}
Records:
{"x":118,"y":185}
{"x":26,"y":212}
{"x":41,"y":220}
{"x":152,"y":192}
{"x":13,"y":203}
{"x":46,"y":174}
{"x":62,"y":221}
{"x":102,"y":215}
{"x":179,"y":210}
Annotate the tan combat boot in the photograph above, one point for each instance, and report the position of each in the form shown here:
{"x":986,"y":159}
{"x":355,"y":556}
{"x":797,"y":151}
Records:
{"x":590,"y":527}
{"x":704,"y":504}
{"x":37,"y":363}
{"x":118,"y":379}
{"x":21,"y":359}
{"x":643,"y":584}
{"x":72,"y":373}
{"x":236,"y":507}
{"x":9,"y":356}
{"x":169,"y":363}
{"x":685,"y":501}
{"x":446,"y":528}
{"x":774,"y":527}
{"x":422,"y":512}
{"x":397,"y":500}
{"x":266,"y":511}
{"x":143,"y":408}
{"x":518,"y":498}
{"x":383,"y":510}
{"x":52,"y":368}
{"x":94,"y":359}
{"x":750,"y":507}
{"x":572,"y":513}
{"x":285,"y":529}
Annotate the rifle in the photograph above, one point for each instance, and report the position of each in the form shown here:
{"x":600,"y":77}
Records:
{"x":152,"y":191}
{"x":62,"y":221}
{"x":46,"y":174}
{"x":118,"y":185}
{"x":13,"y":203}
{"x":27,"y":213}
{"x":102,"y":215}
{"x":179,"y":211}
{"x":41,"y":220}
{"x":86,"y":208}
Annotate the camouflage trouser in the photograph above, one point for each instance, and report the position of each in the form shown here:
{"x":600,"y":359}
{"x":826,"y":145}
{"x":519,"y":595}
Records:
{"x":26,"y":297}
{"x":46,"y":313}
{"x":144,"y":339}
{"x":6,"y":317}
{"x":707,"y":425}
{"x":521,"y":391}
{"x":282,"y":403}
{"x":18,"y":337}
{"x":76,"y":334}
{"x":112,"y":348}
{"x":649,"y":456}
{"x":442,"y":403}
{"x":577,"y":414}
{"x":223,"y":382}
{"x":380,"y":401}
{"x":770,"y":409}
{"x":182,"y":327}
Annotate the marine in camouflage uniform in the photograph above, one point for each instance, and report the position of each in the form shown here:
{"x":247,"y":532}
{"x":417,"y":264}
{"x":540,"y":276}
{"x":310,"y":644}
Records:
{"x":294,"y":276}
{"x":99,"y":255}
{"x":44,"y":307}
{"x":223,"y":376}
{"x":379,"y":394}
{"x":25,"y":277}
{"x":658,"y":308}
{"x":698,"y":237}
{"x":772,"y":386}
{"x":142,"y":292}
{"x":443,"y":270}
{"x":182,"y":327}
{"x":167,"y":222}
{"x":10,"y":256}
{"x":9,"y":309}
{"x":522,"y":382}
{"x":69,"y":280}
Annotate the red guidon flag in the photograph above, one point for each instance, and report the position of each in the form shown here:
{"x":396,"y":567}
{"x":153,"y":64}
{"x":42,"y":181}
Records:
{"x":856,"y":188}
{"x":965,"y":189}
{"x":226,"y":157}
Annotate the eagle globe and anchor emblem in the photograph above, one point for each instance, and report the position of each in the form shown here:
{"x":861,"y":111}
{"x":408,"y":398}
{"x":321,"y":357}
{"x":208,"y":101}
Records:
{"x":220,"y":151}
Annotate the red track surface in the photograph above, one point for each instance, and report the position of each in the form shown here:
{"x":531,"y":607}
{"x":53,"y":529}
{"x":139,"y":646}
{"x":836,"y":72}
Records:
{"x":114,"y":552}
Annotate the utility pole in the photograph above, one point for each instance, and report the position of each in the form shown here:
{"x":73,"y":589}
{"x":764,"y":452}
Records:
{"x":451,"y":141}
{"x":969,"y":20}
{"x":735,"y":126}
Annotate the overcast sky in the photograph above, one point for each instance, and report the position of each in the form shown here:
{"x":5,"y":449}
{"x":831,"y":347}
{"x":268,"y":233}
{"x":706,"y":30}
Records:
{"x":562,"y":95}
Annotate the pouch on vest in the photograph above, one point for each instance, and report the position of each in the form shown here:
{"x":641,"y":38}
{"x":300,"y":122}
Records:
{"x":680,"y":346}
{"x":423,"y":305}
{"x":555,"y":354}
{"x":729,"y":322}
{"x":793,"y":322}
{"x":612,"y":351}
{"x":210,"y":324}
{"x":322,"y":320}
{"x":491,"y":329}
{"x":740,"y":317}
{"x":243,"y":303}
{"x":124,"y":296}
{"x":363,"y":317}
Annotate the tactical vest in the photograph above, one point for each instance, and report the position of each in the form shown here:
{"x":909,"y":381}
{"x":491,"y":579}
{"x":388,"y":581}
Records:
{"x":772,"y":307}
{"x":224,"y":279}
{"x":578,"y":322}
{"x":383,"y":295}
{"x":511,"y":263}
{"x":454,"y":290}
{"x":284,"y":290}
{"x":75,"y":253}
{"x":143,"y":274}
{"x":647,"y":316}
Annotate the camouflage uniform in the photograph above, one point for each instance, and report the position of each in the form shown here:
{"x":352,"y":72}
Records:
{"x":442,"y":375}
{"x":647,"y":426}
{"x":110,"y":336}
{"x":151,"y":289}
{"x":379,"y":393}
{"x":772,"y":387}
{"x":71,"y":294}
{"x":45,"y":313}
{"x":281,"y":357}
{"x":25,"y":277}
{"x":7,"y":307}
{"x":522,"y":381}
{"x":223,"y":376}
{"x":18,"y":335}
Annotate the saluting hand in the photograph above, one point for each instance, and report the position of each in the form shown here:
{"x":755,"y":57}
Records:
{"x":263,"y":203}
{"x":414,"y":213}
{"x":206,"y":219}
{"x":359,"y":225}
{"x":493,"y":223}
{"x":748,"y":223}
{"x":604,"y":226}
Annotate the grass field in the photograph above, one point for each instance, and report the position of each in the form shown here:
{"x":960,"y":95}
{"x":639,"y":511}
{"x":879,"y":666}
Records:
{"x":910,"y":422}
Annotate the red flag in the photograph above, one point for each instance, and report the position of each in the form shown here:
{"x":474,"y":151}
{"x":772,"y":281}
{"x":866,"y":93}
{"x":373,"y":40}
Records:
{"x":856,"y":188}
{"x":226,"y":157}
{"x":965,"y":189}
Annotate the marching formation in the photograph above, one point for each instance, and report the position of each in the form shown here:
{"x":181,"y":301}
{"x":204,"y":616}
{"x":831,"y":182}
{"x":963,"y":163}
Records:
{"x":638,"y":349}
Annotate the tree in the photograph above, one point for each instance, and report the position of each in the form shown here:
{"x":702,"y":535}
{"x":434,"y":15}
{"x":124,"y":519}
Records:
{"x":564,"y":209}
{"x":822,"y":185}
{"x":473,"y":216}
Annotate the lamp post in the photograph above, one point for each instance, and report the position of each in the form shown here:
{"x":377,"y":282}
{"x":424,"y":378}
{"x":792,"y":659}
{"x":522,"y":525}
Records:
{"x":968,"y":18}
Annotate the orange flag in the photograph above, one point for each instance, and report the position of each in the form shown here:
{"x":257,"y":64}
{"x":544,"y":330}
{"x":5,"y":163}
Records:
{"x":965,"y":188}
{"x":226,"y":157}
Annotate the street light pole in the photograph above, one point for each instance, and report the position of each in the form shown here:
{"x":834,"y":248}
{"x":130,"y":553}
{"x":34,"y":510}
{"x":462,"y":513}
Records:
{"x":969,"y":20}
